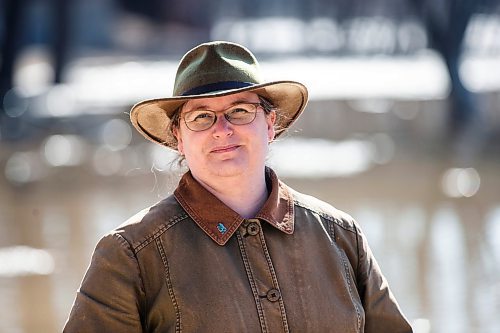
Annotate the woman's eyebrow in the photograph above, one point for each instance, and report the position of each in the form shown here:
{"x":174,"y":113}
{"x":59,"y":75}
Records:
{"x":207,"y":108}
{"x":240,"y":101}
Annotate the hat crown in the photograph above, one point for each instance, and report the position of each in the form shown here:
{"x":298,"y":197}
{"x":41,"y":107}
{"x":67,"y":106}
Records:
{"x":213,"y":63}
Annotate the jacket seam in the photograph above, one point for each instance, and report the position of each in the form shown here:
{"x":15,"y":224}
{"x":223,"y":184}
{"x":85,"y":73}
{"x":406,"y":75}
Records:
{"x":251,"y":280}
{"x":143,"y":287}
{"x":274,"y":277}
{"x":171,"y":293}
{"x":159,"y":231}
{"x":349,"y":278}
{"x":358,"y":251}
{"x":331,"y":231}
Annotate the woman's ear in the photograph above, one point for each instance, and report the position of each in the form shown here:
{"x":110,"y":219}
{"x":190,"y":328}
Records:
{"x":271,"y":120}
{"x":177,"y":135}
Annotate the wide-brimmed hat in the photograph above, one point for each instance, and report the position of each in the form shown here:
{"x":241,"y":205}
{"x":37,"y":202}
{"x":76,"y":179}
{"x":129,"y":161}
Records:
{"x":211,"y":70}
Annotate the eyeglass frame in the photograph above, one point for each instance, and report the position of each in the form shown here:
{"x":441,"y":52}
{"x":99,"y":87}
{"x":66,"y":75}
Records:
{"x":174,"y":123}
{"x":256,"y":104}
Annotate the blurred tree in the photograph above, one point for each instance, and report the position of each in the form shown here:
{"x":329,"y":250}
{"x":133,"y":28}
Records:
{"x":14,"y":13}
{"x":61,"y":33}
{"x":15,"y":19}
{"x":446,"y":23}
{"x":11,"y":42}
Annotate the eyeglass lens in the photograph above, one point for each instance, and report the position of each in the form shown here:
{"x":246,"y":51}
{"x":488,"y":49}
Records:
{"x":241,"y":114}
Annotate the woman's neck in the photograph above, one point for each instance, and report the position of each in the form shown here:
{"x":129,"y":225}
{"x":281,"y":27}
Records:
{"x":245,"y":194}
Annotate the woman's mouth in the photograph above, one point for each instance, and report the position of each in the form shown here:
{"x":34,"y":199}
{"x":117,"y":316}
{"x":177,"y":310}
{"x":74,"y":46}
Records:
{"x":224,"y":149}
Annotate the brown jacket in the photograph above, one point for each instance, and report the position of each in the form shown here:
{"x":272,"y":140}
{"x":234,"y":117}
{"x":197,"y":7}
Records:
{"x":191,"y":264}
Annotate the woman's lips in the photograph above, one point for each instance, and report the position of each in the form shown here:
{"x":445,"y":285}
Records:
{"x":224,"y":149}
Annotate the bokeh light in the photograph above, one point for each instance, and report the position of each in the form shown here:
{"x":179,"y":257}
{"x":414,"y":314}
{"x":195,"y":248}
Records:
{"x":461,"y":182}
{"x":63,"y":150}
{"x":116,"y":134}
{"x":493,"y":235}
{"x":23,"y":167}
{"x":384,"y":148}
{"x":319,"y":158}
{"x":18,"y":168}
{"x":60,"y":101}
{"x":421,"y":325}
{"x":15,"y":103}
{"x":406,"y":111}
{"x":35,"y":71}
{"x":24,"y":260}
{"x":371,"y":105}
{"x":325,"y":35}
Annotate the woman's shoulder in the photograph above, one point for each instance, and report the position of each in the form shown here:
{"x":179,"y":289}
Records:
{"x":148,"y":224}
{"x":323,"y":209}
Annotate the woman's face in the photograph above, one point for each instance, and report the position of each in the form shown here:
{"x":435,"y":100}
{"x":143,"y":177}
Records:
{"x":225,"y":149}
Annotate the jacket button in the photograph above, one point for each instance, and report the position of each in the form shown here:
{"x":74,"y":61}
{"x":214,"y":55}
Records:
{"x":273,"y":295}
{"x":253,"y":228}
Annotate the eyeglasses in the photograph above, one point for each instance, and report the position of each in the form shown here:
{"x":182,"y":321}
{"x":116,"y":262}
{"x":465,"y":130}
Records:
{"x":239,"y":114}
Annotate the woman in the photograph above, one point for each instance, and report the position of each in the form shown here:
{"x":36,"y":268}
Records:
{"x":234,"y":249}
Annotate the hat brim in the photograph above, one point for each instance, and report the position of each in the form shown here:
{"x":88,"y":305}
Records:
{"x":152,"y":117}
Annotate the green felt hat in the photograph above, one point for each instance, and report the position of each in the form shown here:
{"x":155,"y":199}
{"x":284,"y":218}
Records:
{"x":211,"y":70}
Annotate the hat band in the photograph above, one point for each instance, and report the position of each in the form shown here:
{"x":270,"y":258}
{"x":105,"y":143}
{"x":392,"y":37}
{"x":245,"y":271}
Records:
{"x":218,"y":86}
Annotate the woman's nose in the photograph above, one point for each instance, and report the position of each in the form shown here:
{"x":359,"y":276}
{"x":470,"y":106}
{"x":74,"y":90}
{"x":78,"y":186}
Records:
{"x":222,"y":126}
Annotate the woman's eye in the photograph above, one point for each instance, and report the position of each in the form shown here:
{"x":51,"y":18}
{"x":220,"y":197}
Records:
{"x":239,"y":111}
{"x":201,"y":116}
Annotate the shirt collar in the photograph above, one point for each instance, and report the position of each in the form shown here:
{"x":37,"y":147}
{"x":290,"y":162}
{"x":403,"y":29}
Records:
{"x":220,"y":222}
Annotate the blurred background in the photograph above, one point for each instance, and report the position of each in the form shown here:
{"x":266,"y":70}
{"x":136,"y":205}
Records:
{"x":402,"y":131}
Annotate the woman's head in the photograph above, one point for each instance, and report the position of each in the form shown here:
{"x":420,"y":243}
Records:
{"x":230,"y":146}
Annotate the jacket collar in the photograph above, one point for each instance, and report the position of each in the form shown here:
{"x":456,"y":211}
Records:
{"x":220,"y":222}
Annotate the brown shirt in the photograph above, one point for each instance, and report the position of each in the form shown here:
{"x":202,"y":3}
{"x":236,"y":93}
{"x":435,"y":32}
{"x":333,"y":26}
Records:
{"x":191,"y":264}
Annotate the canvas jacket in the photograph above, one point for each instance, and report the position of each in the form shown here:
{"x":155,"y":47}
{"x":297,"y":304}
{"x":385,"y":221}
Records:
{"x":191,"y":264}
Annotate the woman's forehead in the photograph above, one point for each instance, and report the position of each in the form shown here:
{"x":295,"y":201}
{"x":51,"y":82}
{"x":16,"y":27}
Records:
{"x":221,"y":102}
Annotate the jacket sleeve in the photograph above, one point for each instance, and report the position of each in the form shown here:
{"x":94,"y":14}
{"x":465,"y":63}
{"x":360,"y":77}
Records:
{"x":382,"y":312}
{"x":109,"y":297}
